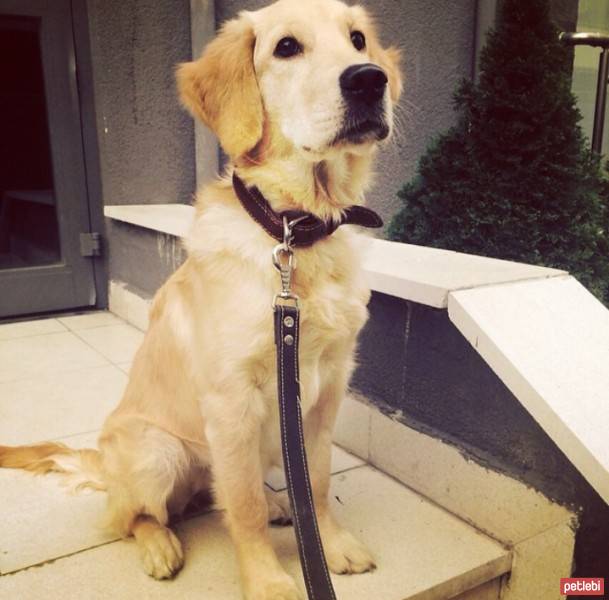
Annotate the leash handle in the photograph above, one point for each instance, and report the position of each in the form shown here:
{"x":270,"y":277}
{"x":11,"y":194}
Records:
{"x":312,"y":559}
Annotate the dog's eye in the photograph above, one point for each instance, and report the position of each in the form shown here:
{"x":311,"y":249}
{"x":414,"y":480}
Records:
{"x":358,"y":40}
{"x":287,"y":47}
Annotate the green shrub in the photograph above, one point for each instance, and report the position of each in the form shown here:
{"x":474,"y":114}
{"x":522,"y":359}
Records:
{"x":513,"y":178}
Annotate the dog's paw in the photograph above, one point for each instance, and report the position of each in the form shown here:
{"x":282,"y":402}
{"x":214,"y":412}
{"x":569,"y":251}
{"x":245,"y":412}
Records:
{"x":280,"y":512}
{"x":345,"y":554}
{"x":280,"y":588}
{"x":161,"y":554}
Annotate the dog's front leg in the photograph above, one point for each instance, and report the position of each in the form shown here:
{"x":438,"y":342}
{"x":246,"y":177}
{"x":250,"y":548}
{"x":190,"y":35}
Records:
{"x":234,"y":441}
{"x":344,"y":553}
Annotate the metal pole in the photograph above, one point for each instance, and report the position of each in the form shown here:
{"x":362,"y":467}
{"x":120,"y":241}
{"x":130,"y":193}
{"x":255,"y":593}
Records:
{"x":601,"y":99}
{"x":595,"y":40}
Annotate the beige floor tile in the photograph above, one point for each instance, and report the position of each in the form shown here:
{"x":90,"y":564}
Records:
{"x":118,"y":343}
{"x":55,"y":405}
{"x":42,"y":520}
{"x":38,"y":355}
{"x":125,"y":367}
{"x":341,"y":461}
{"x":11,"y":331}
{"x":422,"y":552}
{"x":89,"y":320}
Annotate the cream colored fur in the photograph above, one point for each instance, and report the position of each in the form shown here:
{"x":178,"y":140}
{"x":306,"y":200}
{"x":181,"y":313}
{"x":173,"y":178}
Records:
{"x":200,"y":408}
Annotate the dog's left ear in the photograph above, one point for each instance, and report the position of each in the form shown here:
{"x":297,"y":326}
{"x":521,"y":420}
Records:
{"x":221,"y":89}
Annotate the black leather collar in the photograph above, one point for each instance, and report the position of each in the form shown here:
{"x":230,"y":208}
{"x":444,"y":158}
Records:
{"x":310,"y":229}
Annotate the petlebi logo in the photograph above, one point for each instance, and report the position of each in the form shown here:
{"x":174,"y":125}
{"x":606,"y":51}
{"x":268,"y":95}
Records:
{"x":583,"y":586}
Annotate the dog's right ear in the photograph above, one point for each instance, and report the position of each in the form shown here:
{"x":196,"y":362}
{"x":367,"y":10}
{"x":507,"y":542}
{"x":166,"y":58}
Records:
{"x":221,"y":89}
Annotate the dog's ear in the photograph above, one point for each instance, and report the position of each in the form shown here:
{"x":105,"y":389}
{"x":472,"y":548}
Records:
{"x":220,"y":88}
{"x":389,"y":60}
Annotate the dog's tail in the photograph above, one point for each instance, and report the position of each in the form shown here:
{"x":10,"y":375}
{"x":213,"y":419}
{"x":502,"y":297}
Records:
{"x":80,"y":468}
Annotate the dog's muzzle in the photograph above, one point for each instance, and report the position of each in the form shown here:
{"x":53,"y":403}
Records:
{"x":363,"y":88}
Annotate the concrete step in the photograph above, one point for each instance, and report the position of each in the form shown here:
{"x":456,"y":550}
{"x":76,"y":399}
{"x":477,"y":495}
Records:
{"x":422,"y":551}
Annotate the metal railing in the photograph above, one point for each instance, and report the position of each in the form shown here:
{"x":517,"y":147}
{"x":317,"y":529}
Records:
{"x":595,"y":40}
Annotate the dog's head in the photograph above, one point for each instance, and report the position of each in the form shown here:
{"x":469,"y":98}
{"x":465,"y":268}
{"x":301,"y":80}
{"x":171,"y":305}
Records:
{"x":310,"y":72}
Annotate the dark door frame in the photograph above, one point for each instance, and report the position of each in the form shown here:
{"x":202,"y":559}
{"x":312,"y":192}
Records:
{"x":90,"y":140}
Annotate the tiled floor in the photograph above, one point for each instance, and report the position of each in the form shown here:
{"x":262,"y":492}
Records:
{"x":59,"y":378}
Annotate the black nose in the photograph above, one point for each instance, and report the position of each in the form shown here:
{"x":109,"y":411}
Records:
{"x":363,"y":82}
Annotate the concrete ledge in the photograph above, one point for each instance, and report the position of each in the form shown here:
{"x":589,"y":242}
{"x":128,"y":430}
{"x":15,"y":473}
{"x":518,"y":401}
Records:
{"x":548,"y":341}
{"x":417,"y":273}
{"x":172,"y":219}
{"x":428,"y":275}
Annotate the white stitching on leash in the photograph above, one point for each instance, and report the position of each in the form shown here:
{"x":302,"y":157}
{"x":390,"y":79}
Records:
{"x":287,"y":455}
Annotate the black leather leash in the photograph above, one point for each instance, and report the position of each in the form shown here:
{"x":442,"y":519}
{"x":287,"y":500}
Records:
{"x":287,"y":329}
{"x":297,"y":229}
{"x":312,"y":559}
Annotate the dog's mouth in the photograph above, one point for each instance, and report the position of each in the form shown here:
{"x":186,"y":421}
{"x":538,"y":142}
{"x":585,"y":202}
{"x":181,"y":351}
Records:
{"x":362,"y":130}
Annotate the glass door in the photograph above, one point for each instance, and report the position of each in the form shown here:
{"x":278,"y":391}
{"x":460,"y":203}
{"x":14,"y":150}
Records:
{"x":43,"y":197}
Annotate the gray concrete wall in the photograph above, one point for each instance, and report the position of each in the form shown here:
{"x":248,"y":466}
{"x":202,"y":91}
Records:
{"x":203,"y":30}
{"x":438,"y":39}
{"x":146,"y":141}
{"x":141,"y":258}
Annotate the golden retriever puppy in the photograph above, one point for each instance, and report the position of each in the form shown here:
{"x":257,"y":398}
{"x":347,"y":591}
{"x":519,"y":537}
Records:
{"x":299,"y":93}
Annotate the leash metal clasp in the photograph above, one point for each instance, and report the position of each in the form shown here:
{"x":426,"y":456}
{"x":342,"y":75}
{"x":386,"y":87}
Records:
{"x":285,"y":262}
